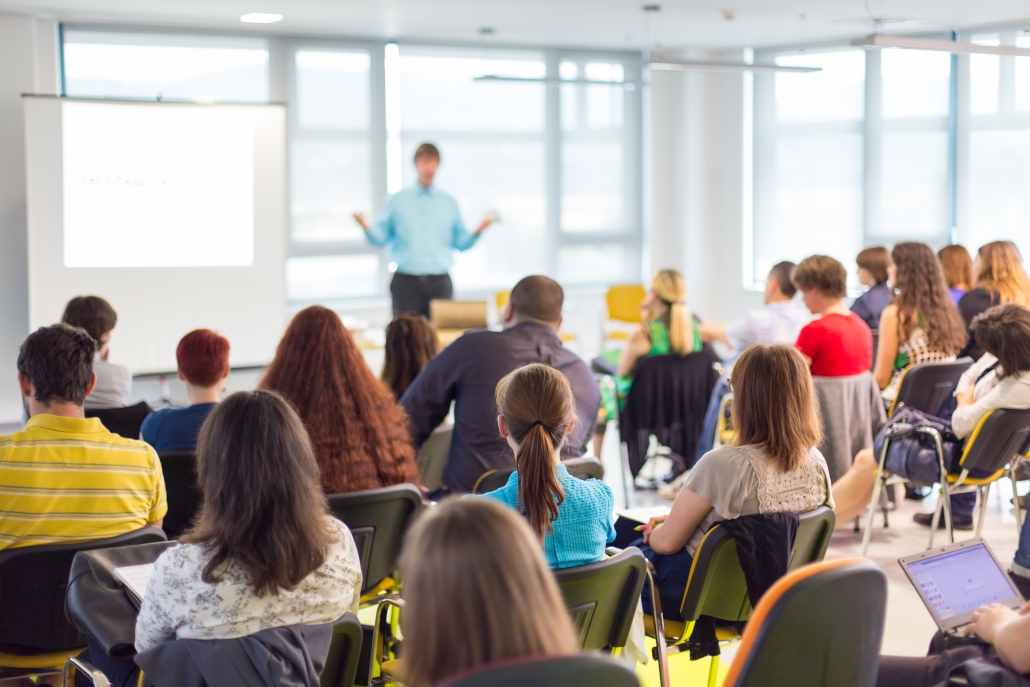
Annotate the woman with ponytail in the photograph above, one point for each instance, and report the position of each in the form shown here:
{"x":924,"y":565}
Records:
{"x":572,"y":518}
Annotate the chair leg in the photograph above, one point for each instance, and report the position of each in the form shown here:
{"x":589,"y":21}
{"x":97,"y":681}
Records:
{"x":948,"y":522}
{"x":627,"y":473}
{"x":1015,"y":499}
{"x":713,"y":671}
{"x":661,"y":654}
{"x":984,"y":491}
{"x":877,"y":486}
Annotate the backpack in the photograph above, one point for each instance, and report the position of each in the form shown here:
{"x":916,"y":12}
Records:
{"x":912,"y":454}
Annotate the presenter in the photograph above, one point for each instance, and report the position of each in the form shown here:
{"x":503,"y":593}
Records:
{"x":422,"y":225}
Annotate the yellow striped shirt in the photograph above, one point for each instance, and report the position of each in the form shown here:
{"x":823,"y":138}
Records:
{"x":68,"y":479}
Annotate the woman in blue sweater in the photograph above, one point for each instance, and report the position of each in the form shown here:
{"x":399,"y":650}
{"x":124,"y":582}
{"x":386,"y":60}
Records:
{"x":571,"y":517}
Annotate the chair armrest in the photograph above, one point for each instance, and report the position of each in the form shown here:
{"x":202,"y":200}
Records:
{"x":612,"y":551}
{"x":76,"y":665}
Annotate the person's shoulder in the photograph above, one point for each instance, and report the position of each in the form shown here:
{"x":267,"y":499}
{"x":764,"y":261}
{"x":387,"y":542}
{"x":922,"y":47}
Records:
{"x":720,"y":456}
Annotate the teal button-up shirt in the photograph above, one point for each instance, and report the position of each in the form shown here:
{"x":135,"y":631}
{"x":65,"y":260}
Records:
{"x":422,"y":226}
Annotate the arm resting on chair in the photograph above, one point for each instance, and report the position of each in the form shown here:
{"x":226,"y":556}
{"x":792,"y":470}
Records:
{"x":688,"y":511}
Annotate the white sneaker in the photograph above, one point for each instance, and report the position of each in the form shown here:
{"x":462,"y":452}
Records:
{"x":672,"y":489}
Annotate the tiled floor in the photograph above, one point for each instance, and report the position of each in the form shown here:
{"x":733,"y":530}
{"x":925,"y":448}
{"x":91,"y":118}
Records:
{"x":909,"y":626}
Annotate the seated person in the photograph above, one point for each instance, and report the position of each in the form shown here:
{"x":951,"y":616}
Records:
{"x":778,"y":322}
{"x":668,"y":327}
{"x":1000,"y":379}
{"x":921,"y":325}
{"x":98,"y":318}
{"x":467,"y":373}
{"x":1007,"y":636}
{"x":998,"y":277}
{"x":772,"y":467}
{"x":203,"y":358}
{"x":958,"y":270}
{"x":358,"y":431}
{"x":411,"y":342}
{"x":572,"y":517}
{"x":61,"y":457}
{"x":477,"y":592}
{"x":872,"y":273}
{"x":838,"y":343}
{"x":274,"y":559}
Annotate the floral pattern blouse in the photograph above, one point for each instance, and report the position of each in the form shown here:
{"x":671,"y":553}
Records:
{"x":179,"y":604}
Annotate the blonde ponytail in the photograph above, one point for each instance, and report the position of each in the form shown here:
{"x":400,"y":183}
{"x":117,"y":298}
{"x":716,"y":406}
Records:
{"x":538,"y":407}
{"x":672,"y":290}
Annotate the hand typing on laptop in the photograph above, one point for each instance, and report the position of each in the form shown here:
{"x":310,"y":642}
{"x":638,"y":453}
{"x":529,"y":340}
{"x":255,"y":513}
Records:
{"x":1007,"y":630}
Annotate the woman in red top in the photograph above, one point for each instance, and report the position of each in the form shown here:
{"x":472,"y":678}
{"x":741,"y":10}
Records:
{"x":839,"y":343}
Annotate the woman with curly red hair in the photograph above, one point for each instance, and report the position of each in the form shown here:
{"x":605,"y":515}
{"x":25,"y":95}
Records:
{"x":359,"y":433}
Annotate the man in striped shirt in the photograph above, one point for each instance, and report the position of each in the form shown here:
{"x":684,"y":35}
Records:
{"x":65,"y":478}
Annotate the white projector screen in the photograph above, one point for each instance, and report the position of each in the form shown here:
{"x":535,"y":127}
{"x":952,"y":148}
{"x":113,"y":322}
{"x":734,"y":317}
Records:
{"x":175,"y":213}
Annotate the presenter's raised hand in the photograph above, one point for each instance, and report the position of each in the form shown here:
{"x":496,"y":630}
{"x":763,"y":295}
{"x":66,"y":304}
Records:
{"x":488,"y":219}
{"x":359,"y":217}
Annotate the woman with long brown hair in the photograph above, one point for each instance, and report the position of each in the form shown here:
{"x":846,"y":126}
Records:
{"x":773,"y":465}
{"x":958,"y":270}
{"x":411,"y":342}
{"x":477,"y":591}
{"x":921,"y":324}
{"x":998,"y":277}
{"x":571,"y":517}
{"x":358,"y":431}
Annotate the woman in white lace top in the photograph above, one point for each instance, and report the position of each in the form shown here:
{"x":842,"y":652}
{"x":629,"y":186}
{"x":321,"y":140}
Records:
{"x":772,"y":467}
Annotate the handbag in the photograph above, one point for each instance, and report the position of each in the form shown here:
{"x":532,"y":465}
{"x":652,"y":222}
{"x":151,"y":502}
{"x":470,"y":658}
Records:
{"x":912,"y":454}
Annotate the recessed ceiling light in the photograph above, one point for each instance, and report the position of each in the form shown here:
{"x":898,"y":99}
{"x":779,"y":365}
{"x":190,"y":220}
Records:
{"x":261,"y":18}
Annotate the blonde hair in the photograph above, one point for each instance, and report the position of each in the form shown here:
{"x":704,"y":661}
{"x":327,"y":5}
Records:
{"x":537,"y":404}
{"x":477,"y":590}
{"x":774,"y":404}
{"x":1001,"y":270}
{"x":671,"y":288}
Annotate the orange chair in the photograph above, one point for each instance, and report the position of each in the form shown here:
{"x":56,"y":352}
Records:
{"x":819,"y":625}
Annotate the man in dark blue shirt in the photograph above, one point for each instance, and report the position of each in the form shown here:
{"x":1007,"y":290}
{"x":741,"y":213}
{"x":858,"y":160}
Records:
{"x":467,"y":373}
{"x":203,"y":358}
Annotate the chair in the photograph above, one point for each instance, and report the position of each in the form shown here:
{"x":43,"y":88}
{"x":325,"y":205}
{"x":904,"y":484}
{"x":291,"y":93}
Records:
{"x":623,"y":304}
{"x":813,"y":536}
{"x":183,"y":493}
{"x":602,"y":597}
{"x":378,"y":519}
{"x":35,"y":636}
{"x":492,"y":480}
{"x":124,"y":422}
{"x":724,"y":432}
{"x":819,"y":625}
{"x":1000,"y":438}
{"x":433,"y":457}
{"x":585,"y":467}
{"x":341,"y":665}
{"x":564,"y":671}
{"x":454,"y":318}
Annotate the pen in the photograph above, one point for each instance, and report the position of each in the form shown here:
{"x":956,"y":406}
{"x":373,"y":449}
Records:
{"x":640,"y":528}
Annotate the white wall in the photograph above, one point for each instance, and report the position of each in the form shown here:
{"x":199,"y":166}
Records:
{"x":28,"y":64}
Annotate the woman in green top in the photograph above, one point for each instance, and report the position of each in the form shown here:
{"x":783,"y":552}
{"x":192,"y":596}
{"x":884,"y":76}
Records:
{"x":668,"y":327}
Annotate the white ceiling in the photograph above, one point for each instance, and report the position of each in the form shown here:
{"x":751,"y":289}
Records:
{"x":618,"y":24}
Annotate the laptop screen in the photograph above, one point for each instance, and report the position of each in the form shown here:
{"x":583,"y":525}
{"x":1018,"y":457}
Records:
{"x":961,"y":581}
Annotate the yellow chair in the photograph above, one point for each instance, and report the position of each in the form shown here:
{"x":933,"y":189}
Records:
{"x":454,"y":318}
{"x":623,"y":302}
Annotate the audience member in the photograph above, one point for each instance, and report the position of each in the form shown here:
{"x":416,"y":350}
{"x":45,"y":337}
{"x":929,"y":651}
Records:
{"x":779,"y":321}
{"x":668,"y":327}
{"x":998,"y":278}
{"x":467,"y":373}
{"x":477,"y":592}
{"x":1000,"y":379}
{"x":411,"y":342}
{"x":1006,"y":636}
{"x":99,"y":483}
{"x":921,"y":324}
{"x":958,"y":270}
{"x":203,"y":358}
{"x":572,"y":517}
{"x":358,"y":431}
{"x":872,"y":273}
{"x":838,"y":343}
{"x":98,"y":318}
{"x":275,"y":559}
{"x":772,"y":467}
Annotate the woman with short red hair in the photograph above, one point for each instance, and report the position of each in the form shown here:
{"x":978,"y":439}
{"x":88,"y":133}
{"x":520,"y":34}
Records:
{"x":359,"y":433}
{"x":203,"y":358}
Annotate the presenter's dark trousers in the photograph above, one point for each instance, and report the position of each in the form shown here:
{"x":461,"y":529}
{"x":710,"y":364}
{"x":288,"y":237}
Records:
{"x":412,"y":292}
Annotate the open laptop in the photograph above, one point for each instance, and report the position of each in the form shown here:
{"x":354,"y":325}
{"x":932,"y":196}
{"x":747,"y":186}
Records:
{"x":955,"y":580}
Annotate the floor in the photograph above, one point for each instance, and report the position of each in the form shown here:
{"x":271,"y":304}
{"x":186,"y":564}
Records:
{"x":909,"y":626}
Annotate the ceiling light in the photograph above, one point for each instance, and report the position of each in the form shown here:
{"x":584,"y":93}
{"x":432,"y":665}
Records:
{"x":878,"y":41}
{"x":261,"y":18}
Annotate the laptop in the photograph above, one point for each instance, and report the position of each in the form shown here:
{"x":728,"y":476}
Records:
{"x":955,"y":580}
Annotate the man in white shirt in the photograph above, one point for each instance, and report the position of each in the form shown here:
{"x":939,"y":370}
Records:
{"x":98,"y":318}
{"x":779,"y":321}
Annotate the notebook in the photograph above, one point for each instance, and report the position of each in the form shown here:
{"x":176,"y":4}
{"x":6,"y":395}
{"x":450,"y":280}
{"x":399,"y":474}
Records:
{"x":955,"y":580}
{"x":135,"y":578}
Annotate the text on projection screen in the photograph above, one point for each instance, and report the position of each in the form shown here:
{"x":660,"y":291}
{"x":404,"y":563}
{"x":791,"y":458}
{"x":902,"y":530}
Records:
{"x":158,"y":186}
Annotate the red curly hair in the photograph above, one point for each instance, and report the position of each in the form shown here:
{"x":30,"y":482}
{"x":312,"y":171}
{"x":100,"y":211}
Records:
{"x":359,"y":433}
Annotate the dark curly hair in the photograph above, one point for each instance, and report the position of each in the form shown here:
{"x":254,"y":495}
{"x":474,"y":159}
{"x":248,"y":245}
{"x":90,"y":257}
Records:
{"x":921,"y":295}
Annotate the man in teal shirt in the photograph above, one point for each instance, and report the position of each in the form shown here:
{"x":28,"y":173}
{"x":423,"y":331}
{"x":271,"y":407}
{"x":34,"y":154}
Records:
{"x":422,"y":225}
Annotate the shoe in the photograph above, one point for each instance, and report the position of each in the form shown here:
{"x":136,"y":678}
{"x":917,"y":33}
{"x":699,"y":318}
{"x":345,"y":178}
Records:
{"x":958,"y":522}
{"x":1022,"y":501}
{"x":916,"y":493}
{"x":1022,"y":584}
